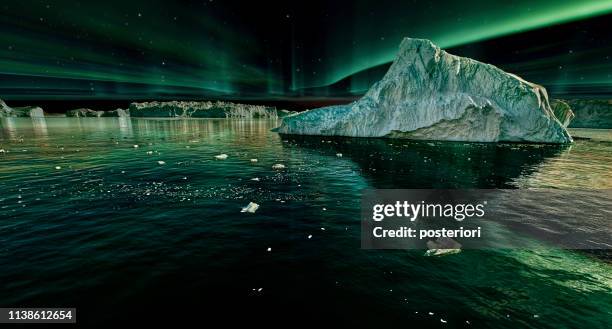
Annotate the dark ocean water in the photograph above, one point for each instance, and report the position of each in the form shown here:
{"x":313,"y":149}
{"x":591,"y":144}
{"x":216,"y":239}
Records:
{"x":87,"y":220}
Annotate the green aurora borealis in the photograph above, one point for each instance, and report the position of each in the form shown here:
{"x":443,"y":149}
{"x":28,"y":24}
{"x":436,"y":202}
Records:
{"x":199,"y":49}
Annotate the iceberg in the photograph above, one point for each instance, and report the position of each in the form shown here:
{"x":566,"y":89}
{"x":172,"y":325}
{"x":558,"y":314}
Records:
{"x":25,"y":111}
{"x":85,"y":112}
{"x":562,"y":111}
{"x":429,"y":94}
{"x":204,"y":109}
{"x":591,"y":113}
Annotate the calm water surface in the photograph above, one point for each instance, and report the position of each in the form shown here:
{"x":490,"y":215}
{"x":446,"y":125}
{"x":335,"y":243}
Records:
{"x":89,"y":220}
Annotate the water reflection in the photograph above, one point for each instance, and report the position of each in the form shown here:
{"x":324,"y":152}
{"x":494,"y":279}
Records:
{"x":39,"y":126}
{"x":415,"y":164}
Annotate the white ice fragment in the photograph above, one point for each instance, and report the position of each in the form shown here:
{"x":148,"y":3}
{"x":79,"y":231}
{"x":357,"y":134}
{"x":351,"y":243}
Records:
{"x":149,"y":152}
{"x":221,"y":156}
{"x":58,"y":167}
{"x":253,"y":160}
{"x":431,"y":313}
{"x":251,"y":207}
{"x":269,"y":249}
{"x":441,"y":252}
{"x":324,"y":209}
{"x":278,"y":166}
{"x":339,"y":155}
{"x":136,"y":146}
{"x":442,"y":320}
{"x":310,"y":236}
{"x":161,"y":163}
{"x":260,"y":289}
{"x":256,"y":179}
{"x":322,"y":228}
{"x":2,"y":151}
{"x":443,"y":246}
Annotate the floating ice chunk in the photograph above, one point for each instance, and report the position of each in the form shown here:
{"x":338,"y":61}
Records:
{"x":339,"y":155}
{"x":58,"y":167}
{"x":322,"y":228}
{"x":441,"y":252}
{"x":256,"y":179}
{"x":260,"y":289}
{"x":269,"y":249}
{"x":431,"y":313}
{"x":253,"y":160}
{"x":149,"y":152}
{"x":536,"y":316}
{"x":221,"y":156}
{"x":161,"y":163}
{"x":251,"y":207}
{"x":278,"y":166}
{"x":443,"y":246}
{"x":324,"y":209}
{"x":442,"y":320}
{"x":136,"y":146}
{"x":2,"y":151}
{"x":310,"y":236}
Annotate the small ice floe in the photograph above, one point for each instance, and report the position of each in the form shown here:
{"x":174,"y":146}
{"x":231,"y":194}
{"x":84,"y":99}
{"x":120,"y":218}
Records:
{"x":442,"y":320}
{"x":443,"y":246}
{"x":255,"y":179}
{"x":251,"y":207}
{"x":149,"y":152}
{"x":322,"y":228}
{"x":269,"y":249}
{"x":431,"y":313}
{"x":253,"y":160}
{"x":467,"y":322}
{"x":278,"y":166}
{"x":2,"y":151}
{"x":221,"y":156}
{"x":58,"y":167}
{"x":310,"y":236}
{"x":339,"y":155}
{"x":536,"y":316}
{"x":259,"y":290}
{"x":136,"y":146}
{"x":123,"y":171}
{"x":324,"y":209}
{"x":161,"y":163}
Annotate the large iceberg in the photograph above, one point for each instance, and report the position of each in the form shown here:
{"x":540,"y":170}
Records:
{"x":430,"y":94}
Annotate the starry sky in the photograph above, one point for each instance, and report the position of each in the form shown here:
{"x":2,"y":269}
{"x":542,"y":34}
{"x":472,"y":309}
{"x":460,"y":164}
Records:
{"x":215,"y":49}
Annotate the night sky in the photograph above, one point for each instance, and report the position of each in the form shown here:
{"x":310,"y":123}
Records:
{"x":260,"y":50}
